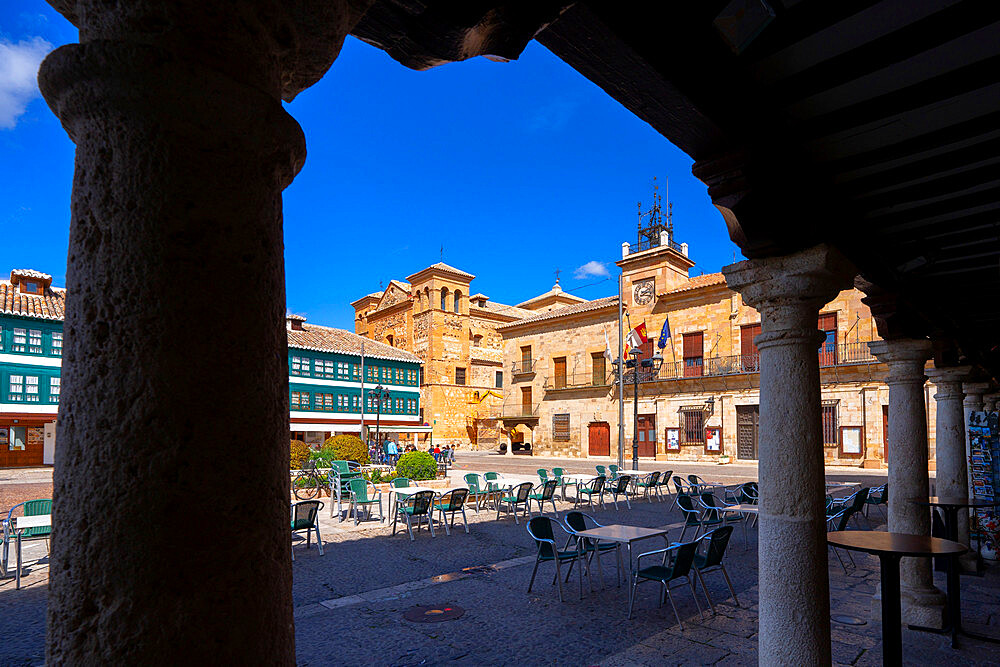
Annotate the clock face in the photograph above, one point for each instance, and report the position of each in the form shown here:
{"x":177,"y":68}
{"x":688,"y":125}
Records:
{"x":643,"y":291}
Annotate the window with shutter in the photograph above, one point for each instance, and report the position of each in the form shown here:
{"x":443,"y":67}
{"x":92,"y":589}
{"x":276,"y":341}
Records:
{"x":560,"y":427}
{"x":828,"y":349}
{"x":694,"y":349}
{"x":830,"y":433}
{"x":749,"y":356}
{"x":559,"y":365}
{"x":599,"y":369}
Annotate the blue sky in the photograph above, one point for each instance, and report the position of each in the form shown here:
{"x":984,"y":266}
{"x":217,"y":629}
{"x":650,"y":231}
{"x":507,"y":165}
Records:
{"x":517,"y":169}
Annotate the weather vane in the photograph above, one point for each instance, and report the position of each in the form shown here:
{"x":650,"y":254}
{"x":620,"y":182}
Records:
{"x":558,"y":271}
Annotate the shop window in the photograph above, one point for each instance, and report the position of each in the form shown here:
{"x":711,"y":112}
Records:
{"x":692,"y":426}
{"x":460,"y":376}
{"x":18,"y":438}
{"x":560,"y":427}
{"x":830,"y":434}
{"x":57,"y":343}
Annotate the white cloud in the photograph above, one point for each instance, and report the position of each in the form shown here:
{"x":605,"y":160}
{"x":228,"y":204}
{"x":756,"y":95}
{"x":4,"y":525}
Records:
{"x":591,"y":269}
{"x":19,"y":63}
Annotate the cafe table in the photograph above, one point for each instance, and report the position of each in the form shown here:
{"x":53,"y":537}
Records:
{"x":624,"y":535}
{"x":576,"y":480}
{"x":747,"y":511}
{"x":890,"y":548}
{"x":950,"y":507}
{"x":21,"y":524}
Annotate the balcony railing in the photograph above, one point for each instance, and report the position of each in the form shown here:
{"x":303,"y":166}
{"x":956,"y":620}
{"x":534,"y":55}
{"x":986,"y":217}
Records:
{"x":646,"y":244}
{"x":523,"y":366}
{"x":510,"y":410}
{"x":739,"y":364}
{"x":577,"y":381}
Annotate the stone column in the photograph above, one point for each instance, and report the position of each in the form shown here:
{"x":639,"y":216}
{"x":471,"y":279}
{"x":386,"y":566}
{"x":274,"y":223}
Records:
{"x":794,"y":581}
{"x":952,"y":472}
{"x":923,"y":604}
{"x":171,"y":490}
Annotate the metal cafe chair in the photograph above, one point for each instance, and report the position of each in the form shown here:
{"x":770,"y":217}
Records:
{"x":540,"y":529}
{"x":677,"y":567}
{"x":304,"y":515}
{"x":717,"y":541}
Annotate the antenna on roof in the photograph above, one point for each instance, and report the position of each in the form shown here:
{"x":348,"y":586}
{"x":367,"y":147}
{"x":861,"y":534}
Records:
{"x":442,"y":252}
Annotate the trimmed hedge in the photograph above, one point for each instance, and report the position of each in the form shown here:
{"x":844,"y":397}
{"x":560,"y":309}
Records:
{"x":341,"y":448}
{"x":300,"y":454}
{"x":417,"y":465}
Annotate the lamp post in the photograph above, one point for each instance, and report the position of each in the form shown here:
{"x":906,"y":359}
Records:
{"x":378,"y":394}
{"x":653,"y":364}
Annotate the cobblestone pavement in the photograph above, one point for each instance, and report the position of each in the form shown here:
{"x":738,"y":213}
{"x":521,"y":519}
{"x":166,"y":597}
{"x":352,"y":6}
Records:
{"x":349,"y":603}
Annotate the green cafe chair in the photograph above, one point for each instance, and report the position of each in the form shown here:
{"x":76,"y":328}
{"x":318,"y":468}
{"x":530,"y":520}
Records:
{"x":304,"y":519}
{"x":518,"y":497}
{"x":648,"y":484}
{"x":541,"y":531}
{"x":543,"y":475}
{"x":664,"y":483}
{"x":364,"y":494}
{"x":711,"y":560}
{"x":557,"y":474}
{"x":544,"y":493}
{"x":415,"y":507}
{"x":613,"y":470}
{"x":476,"y":492}
{"x":601,"y":470}
{"x":451,"y":503}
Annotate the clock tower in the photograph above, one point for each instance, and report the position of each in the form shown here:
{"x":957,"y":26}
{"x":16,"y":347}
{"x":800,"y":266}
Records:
{"x":654,"y":264}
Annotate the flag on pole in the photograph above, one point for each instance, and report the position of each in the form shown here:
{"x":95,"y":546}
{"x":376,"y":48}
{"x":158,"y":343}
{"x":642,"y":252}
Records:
{"x":637,"y":337}
{"x":607,"y":346}
{"x":664,"y":334}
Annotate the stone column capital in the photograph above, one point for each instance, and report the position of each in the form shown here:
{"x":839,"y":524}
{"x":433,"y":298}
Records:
{"x":948,"y":381}
{"x":974,"y":392}
{"x":905,"y":358}
{"x":810,"y":277}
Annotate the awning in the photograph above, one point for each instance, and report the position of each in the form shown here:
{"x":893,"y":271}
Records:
{"x":401,"y":429}
{"x":333,"y":428}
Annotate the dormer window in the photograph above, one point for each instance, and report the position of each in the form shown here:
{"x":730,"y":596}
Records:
{"x":29,"y":281}
{"x":30,"y":287}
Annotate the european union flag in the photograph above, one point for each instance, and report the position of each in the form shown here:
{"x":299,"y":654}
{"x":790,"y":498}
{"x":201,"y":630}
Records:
{"x":664,"y":334}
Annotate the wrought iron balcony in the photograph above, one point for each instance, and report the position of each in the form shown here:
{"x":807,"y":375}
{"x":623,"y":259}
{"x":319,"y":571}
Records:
{"x":577,"y":381}
{"x":514,"y":410}
{"x":740,"y":364}
{"x":523,"y":366}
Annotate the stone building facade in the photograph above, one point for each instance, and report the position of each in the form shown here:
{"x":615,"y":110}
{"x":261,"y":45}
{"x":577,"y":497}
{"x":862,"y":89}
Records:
{"x":698,"y":399}
{"x":435,"y":315}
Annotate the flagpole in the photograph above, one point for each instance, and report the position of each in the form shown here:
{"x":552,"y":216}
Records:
{"x":621,"y":383}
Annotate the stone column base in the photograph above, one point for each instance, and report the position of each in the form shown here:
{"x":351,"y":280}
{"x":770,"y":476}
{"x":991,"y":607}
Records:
{"x":924,"y":607}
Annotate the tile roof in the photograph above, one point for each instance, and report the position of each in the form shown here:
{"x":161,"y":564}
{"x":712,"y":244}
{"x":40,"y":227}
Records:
{"x":576,"y":308}
{"x":696,"y":282}
{"x":445,"y":267}
{"x":48,"y":306}
{"x":328,"y":339}
{"x":504,"y":309}
{"x":556,"y":290}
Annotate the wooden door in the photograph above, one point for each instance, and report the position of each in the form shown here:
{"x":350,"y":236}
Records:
{"x":599,"y":439}
{"x":559,"y":365}
{"x":647,"y":435}
{"x":525,"y":401}
{"x":747,"y":420}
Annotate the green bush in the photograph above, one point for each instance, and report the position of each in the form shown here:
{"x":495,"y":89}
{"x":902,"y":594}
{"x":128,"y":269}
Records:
{"x":417,"y":465}
{"x":300,"y":454}
{"x":341,"y":448}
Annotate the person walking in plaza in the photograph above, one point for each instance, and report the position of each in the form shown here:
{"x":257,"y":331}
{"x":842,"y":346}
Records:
{"x":437,"y":453}
{"x":392,"y":452}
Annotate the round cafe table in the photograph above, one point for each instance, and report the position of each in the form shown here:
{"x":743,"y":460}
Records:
{"x":890,"y":548}
{"x":950,"y":506}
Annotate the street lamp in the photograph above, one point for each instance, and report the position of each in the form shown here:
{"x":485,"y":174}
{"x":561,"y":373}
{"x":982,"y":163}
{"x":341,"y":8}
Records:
{"x":654,"y":364}
{"x":378,"y":394}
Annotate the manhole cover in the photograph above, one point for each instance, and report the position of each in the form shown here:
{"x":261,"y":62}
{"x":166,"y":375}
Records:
{"x":844,"y":619}
{"x":433,"y":614}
